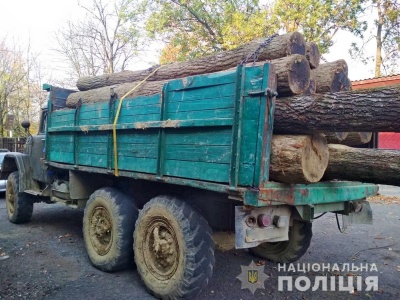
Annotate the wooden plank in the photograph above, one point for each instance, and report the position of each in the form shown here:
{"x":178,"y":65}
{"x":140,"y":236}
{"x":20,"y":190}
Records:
{"x":146,"y":165}
{"x":207,"y":80}
{"x":61,"y":156}
{"x":95,"y":160}
{"x":197,"y":170}
{"x":94,"y":121}
{"x":139,"y":118}
{"x":201,"y":114}
{"x":61,"y":137}
{"x":137,"y":150}
{"x":139,"y":137}
{"x":211,"y":154}
{"x":140,"y":101}
{"x":201,"y":105}
{"x":197,"y":136}
{"x":204,"y":93}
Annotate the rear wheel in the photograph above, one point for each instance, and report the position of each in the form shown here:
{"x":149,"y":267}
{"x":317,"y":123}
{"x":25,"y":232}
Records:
{"x":174,"y":251}
{"x":108,"y":225}
{"x":300,"y":234}
{"x":19,"y":205}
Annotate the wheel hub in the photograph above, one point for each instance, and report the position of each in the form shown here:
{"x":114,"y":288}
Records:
{"x":101,"y":230}
{"x":161,"y":249}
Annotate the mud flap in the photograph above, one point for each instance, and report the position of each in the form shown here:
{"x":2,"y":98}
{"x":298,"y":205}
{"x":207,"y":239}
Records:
{"x":249,"y":233}
{"x":362,"y":214}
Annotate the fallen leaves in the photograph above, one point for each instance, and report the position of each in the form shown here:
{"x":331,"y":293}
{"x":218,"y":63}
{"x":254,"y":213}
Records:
{"x":381,"y":199}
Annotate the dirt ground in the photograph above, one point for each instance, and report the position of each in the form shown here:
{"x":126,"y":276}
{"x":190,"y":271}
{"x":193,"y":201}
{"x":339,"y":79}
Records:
{"x":46,"y":259}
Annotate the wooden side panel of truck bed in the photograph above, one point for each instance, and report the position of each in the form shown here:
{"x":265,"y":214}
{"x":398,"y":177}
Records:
{"x":207,"y":128}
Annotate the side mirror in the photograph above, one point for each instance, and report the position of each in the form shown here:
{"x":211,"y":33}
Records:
{"x":26,"y":124}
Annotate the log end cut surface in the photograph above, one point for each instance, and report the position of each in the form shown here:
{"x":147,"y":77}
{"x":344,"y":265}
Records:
{"x":296,"y":44}
{"x":315,"y":158}
{"x":298,"y":158}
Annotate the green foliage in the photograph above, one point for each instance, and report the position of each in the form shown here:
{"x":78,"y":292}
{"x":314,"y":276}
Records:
{"x":194,"y":28}
{"x":319,"y":20}
{"x":384,"y":31}
{"x":20,"y":92}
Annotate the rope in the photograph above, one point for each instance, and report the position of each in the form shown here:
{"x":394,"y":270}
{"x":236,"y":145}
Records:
{"x":116,"y":173}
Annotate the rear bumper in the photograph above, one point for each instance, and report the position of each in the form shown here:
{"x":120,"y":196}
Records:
{"x":274,"y":193}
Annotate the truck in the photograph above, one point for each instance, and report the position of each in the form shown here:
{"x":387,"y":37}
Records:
{"x":157,"y":175}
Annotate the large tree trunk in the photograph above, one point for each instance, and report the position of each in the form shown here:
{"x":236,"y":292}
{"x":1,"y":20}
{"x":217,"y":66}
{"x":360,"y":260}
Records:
{"x":332,"y":77}
{"x":352,"y":139}
{"x":313,"y":55}
{"x":372,"y":110}
{"x":298,"y":158}
{"x":280,"y":46}
{"x":365,"y":165}
{"x":293,"y":73}
{"x":103,"y":94}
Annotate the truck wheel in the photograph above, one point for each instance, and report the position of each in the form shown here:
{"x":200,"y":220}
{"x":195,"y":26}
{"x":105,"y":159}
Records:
{"x":300,"y":234}
{"x":19,"y":205}
{"x":108,"y":225}
{"x":174,"y":251}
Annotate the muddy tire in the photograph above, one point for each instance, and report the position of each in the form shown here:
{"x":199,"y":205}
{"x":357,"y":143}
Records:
{"x":19,"y":205}
{"x":174,"y":251}
{"x":108,"y":225}
{"x":300,"y":234}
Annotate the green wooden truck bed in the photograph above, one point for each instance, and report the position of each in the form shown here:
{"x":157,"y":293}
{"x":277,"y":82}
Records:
{"x":210,"y":131}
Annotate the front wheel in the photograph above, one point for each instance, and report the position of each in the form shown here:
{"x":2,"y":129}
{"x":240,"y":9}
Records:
{"x":19,"y":205}
{"x":108,"y":225}
{"x":300,"y":234}
{"x":174,"y":251}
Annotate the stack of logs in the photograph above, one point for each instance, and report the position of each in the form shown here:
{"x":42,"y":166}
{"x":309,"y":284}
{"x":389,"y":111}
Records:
{"x":317,"y":116}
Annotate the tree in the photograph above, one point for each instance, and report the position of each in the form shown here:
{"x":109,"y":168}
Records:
{"x":20,"y":94}
{"x":196,"y":28}
{"x":319,"y":20}
{"x":104,"y":42}
{"x":386,"y":33}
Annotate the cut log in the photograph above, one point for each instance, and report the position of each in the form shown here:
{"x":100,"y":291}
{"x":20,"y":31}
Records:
{"x":313,"y":55}
{"x":332,"y":77}
{"x":280,"y":46}
{"x":361,"y":110}
{"x":355,"y":139}
{"x":104,"y":94}
{"x":293,"y":73}
{"x":335,"y":137}
{"x":298,"y":158}
{"x":365,"y":165}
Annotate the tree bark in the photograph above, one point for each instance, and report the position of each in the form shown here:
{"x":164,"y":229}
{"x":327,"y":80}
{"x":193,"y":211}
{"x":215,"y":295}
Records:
{"x":298,"y":158}
{"x":104,"y":93}
{"x":313,"y":55}
{"x":365,"y":165}
{"x":280,"y":46}
{"x":332,"y":77}
{"x":352,"y":139}
{"x":293,"y":74}
{"x":374,"y":110}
